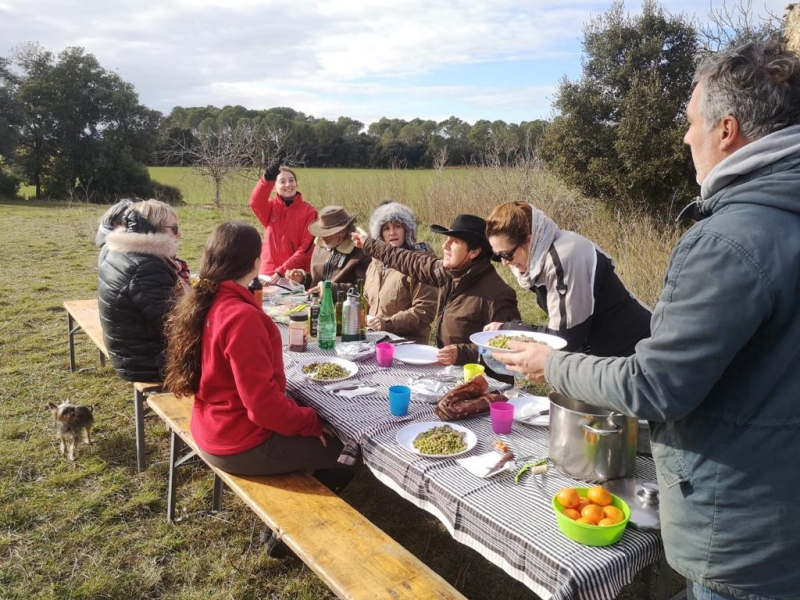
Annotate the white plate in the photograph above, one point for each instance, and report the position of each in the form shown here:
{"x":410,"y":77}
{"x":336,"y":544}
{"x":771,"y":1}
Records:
{"x":530,"y":405}
{"x":482,"y":339}
{"x":406,"y":436}
{"x":415,"y":354}
{"x":351,"y":367}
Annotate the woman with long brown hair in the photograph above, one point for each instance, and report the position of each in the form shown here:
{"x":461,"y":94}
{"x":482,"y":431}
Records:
{"x":225,"y":351}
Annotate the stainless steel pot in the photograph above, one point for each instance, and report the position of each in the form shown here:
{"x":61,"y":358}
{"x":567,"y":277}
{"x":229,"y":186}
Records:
{"x":589,"y":443}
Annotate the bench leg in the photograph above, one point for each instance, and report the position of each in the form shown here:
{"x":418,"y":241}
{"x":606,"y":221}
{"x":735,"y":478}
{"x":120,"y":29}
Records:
{"x":216,"y":503}
{"x":102,"y":359}
{"x":139,"y":409}
{"x":175,"y":446}
{"x":71,"y":329}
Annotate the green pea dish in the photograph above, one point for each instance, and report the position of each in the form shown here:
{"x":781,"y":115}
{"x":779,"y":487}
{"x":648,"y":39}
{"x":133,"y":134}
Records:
{"x":436,"y":439}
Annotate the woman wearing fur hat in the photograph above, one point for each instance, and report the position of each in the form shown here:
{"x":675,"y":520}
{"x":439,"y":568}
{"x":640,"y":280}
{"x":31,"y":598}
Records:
{"x":138,"y":274}
{"x":574,"y":282}
{"x":471,"y":293}
{"x":335,"y":257}
{"x":400,"y":304}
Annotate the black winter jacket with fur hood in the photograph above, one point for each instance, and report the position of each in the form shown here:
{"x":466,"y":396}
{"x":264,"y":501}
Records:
{"x":136,"y":281}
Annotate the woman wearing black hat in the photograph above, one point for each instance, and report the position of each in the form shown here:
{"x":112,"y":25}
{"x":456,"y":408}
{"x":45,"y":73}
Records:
{"x":335,"y":257}
{"x":471,"y":293}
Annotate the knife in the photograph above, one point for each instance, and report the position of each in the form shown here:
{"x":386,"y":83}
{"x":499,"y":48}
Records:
{"x":500,"y":464}
{"x":530,"y":418}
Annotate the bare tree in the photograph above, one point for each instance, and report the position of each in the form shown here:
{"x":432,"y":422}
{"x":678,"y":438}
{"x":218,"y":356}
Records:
{"x":737,"y":22}
{"x":218,"y":154}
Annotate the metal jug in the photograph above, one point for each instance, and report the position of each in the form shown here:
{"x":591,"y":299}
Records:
{"x":351,"y":313}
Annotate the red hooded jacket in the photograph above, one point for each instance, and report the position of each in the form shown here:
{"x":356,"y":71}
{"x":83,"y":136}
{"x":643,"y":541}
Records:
{"x":287,"y":242}
{"x":241,"y":399}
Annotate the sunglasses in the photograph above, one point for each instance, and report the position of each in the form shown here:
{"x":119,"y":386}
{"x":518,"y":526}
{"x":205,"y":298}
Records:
{"x":507,"y":255}
{"x":174,"y":228}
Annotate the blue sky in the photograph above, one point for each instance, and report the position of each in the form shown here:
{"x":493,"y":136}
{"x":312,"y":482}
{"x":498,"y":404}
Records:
{"x":365,"y":59}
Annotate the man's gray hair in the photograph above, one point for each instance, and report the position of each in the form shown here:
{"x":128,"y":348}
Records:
{"x":757,"y":82}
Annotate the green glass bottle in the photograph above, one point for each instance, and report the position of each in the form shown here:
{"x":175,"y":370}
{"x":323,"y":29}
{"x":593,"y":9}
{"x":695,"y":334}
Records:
{"x":338,"y":308}
{"x":326,"y":328}
{"x":363,"y":316}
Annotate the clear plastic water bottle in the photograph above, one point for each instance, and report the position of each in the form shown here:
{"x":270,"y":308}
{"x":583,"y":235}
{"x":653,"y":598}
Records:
{"x":326,"y":327}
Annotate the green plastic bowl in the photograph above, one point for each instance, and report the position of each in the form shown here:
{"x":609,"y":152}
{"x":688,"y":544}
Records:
{"x":592,"y":535}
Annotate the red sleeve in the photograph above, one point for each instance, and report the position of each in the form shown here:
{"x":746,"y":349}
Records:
{"x":301,"y":259}
{"x":259,"y":200}
{"x":251,"y":351}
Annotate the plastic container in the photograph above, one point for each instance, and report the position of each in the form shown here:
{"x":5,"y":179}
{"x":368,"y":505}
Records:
{"x":257,"y":289}
{"x":298,"y":332}
{"x":592,"y":535}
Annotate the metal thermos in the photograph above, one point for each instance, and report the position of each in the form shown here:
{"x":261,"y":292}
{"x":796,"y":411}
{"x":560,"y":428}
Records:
{"x":351,"y":312}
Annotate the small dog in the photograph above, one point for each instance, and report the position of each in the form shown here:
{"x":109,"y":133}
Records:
{"x":71,"y":422}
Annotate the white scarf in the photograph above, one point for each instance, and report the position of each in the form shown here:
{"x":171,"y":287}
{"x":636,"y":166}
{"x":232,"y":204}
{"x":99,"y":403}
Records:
{"x":543,"y":233}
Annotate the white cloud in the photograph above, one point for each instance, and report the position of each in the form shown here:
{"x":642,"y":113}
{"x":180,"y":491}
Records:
{"x":323,"y":57}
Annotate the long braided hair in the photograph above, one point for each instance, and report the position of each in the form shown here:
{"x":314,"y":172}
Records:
{"x":230,"y":252}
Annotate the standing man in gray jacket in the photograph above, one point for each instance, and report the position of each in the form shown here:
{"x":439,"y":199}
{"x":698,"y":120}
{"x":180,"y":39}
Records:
{"x":719,"y":378}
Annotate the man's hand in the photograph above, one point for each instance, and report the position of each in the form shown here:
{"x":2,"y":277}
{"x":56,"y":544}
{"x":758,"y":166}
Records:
{"x":375,"y":323}
{"x":447,"y":355}
{"x":527,"y":359}
{"x":493,"y":326}
{"x":276,"y":277}
{"x":359,"y":236}
{"x":297,"y":275}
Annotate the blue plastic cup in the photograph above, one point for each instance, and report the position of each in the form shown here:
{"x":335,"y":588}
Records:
{"x":399,"y":397}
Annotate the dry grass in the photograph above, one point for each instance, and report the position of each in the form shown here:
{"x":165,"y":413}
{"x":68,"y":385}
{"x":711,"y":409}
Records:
{"x":96,"y":528}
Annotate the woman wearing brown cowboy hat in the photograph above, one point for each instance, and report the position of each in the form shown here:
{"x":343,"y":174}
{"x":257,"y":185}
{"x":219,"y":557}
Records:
{"x":335,"y":256}
{"x":471,"y":293}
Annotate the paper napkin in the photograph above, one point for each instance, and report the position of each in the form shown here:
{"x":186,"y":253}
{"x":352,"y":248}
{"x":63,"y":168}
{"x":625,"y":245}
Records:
{"x":362,"y":391}
{"x":481,"y":464}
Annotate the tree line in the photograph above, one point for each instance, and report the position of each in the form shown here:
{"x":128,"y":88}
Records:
{"x":71,"y":128}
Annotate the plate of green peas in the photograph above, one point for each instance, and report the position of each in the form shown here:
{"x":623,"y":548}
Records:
{"x":436,"y":439}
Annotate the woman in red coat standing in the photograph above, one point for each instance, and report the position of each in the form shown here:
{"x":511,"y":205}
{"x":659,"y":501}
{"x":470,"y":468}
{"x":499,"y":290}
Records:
{"x":285,"y":217}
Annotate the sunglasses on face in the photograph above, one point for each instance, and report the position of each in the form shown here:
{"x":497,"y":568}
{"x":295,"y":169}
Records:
{"x":506,"y":255}
{"x":173,"y":228}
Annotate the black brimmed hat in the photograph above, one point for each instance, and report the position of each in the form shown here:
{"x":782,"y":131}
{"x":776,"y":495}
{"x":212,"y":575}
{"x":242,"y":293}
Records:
{"x":469,"y":228}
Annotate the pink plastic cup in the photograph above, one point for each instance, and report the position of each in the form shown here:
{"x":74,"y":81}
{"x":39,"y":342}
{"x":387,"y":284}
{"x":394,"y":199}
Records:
{"x":384,"y":352}
{"x":502,"y":416}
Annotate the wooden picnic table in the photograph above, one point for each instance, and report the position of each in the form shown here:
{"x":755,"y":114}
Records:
{"x":511,"y":525}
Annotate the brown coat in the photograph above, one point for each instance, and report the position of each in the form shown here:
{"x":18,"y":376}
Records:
{"x":343,"y":265}
{"x":405,"y":305}
{"x":468,"y":299}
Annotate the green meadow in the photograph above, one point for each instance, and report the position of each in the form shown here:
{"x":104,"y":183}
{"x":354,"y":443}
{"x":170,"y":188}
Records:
{"x":96,"y":528}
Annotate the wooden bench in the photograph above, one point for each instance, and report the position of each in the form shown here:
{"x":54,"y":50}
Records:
{"x":352,"y":556}
{"x":84,"y":315}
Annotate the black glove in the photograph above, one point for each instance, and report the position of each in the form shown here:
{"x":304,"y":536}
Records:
{"x":271,"y":174}
{"x":136,"y":223}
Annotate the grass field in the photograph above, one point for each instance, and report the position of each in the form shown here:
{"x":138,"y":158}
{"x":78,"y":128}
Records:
{"x":96,"y":528}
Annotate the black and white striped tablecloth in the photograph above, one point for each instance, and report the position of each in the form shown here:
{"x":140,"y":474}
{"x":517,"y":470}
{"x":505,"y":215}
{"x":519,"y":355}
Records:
{"x":512,"y":525}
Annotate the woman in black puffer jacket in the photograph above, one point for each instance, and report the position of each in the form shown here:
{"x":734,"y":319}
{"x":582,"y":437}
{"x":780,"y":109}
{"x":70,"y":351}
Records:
{"x":138,"y":275}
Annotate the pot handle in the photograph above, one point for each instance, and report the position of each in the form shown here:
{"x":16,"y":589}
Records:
{"x":594,"y":430}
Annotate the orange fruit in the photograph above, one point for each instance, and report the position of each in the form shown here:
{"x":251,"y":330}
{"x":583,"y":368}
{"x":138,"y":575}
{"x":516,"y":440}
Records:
{"x":568,"y":497}
{"x":592,"y":512}
{"x":612,"y":512}
{"x":599,"y":495}
{"x":581,"y":503}
{"x":571,"y":513}
{"x":607,"y":522}
{"x":585,"y":521}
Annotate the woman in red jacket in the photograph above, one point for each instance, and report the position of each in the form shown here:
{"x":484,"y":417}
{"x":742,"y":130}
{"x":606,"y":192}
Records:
{"x":222,"y":348}
{"x":285,"y":217}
